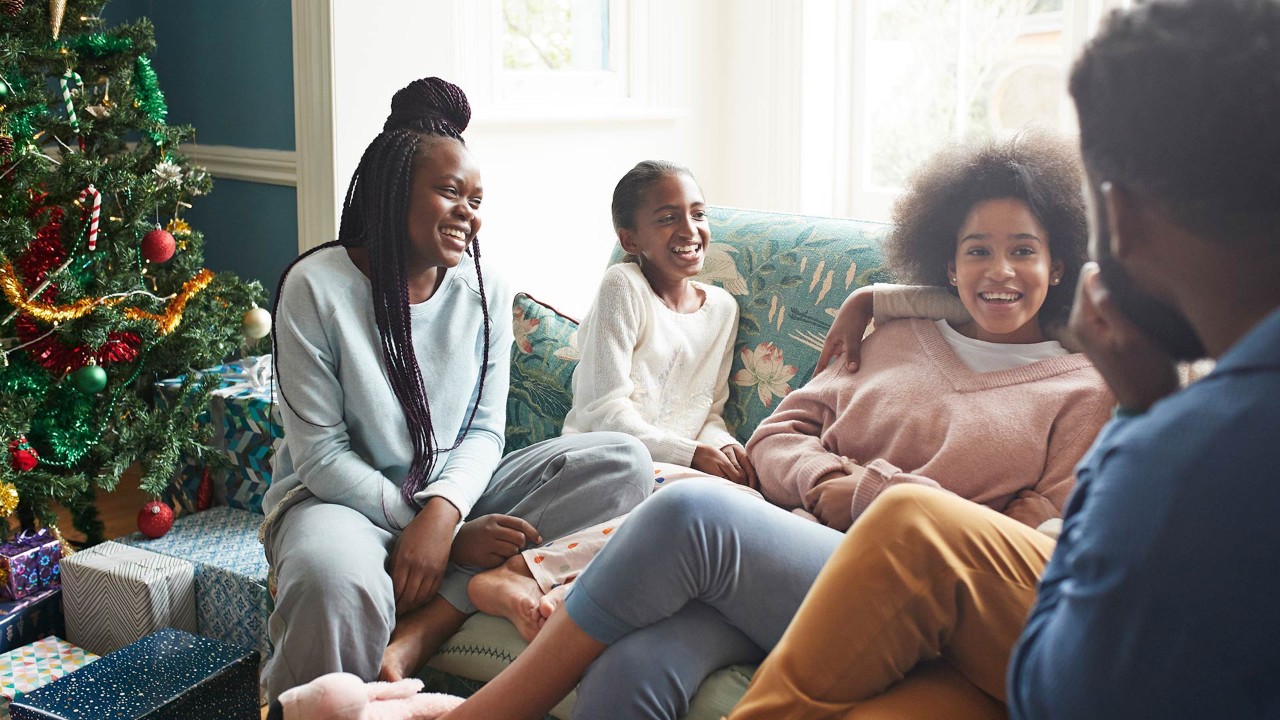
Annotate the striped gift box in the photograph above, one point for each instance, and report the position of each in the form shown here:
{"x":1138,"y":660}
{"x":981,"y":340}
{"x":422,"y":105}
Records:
{"x":114,"y":594}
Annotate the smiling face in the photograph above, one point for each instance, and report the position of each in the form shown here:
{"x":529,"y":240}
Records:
{"x":1003,"y":270}
{"x":671,"y":232}
{"x":444,"y":205}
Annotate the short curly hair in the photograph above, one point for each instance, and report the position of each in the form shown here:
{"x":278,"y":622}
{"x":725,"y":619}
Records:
{"x":1038,"y":168}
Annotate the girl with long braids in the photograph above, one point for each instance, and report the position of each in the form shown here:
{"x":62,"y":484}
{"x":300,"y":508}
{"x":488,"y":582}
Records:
{"x":392,"y":357}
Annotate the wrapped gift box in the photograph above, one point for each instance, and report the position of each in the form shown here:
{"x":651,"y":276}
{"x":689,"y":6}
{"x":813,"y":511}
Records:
{"x":169,"y":674}
{"x":230,"y":572}
{"x":115,"y":594}
{"x":25,"y":621}
{"x":35,"y":665}
{"x":29,"y":563}
{"x":246,"y":426}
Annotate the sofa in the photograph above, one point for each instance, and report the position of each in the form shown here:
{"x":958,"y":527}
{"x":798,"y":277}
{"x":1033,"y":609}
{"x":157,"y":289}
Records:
{"x":789,"y":274}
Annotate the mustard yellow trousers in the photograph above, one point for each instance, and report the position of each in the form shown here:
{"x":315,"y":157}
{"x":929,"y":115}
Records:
{"x":914,"y":616}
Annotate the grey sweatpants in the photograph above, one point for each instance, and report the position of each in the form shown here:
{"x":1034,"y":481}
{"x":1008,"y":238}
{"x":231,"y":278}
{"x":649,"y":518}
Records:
{"x":701,"y":576}
{"x":335,"y":604}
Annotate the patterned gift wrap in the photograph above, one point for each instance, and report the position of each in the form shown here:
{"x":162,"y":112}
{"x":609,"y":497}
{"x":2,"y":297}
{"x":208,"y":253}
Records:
{"x":169,"y":674}
{"x":246,"y":427}
{"x":114,"y":595}
{"x":35,"y":665}
{"x":230,"y":571}
{"x":24,"y":621}
{"x":29,"y":563}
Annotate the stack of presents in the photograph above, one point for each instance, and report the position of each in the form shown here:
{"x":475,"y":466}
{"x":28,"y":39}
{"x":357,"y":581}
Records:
{"x":172,"y":627}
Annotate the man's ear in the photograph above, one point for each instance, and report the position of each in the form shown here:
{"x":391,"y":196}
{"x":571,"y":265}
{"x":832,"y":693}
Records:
{"x":1125,"y":220}
{"x":627,"y":240}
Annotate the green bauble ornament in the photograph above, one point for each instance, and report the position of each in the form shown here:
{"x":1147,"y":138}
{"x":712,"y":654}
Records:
{"x":4,"y":89}
{"x":90,"y":379}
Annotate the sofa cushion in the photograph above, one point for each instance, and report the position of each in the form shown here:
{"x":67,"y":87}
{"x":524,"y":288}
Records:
{"x":789,"y":274}
{"x":487,"y":644}
{"x":542,"y":360}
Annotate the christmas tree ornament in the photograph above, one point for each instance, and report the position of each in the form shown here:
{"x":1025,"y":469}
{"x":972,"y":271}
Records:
{"x":155,"y":519}
{"x":11,"y":7}
{"x":178,"y":227}
{"x":69,"y":78}
{"x":257,"y":323}
{"x":8,"y":498}
{"x":57,"y":8}
{"x":157,"y":245}
{"x":95,"y":211}
{"x":22,"y":457}
{"x":101,"y":108}
{"x":167,"y":173}
{"x":204,"y":491}
{"x":6,"y":146}
{"x":5,"y":90}
{"x":90,"y":379}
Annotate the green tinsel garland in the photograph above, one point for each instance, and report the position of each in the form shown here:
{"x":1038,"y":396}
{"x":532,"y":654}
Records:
{"x":149,"y":98}
{"x":99,"y":45}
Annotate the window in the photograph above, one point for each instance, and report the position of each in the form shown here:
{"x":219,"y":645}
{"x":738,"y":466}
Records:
{"x":562,"y":50}
{"x":930,"y":71}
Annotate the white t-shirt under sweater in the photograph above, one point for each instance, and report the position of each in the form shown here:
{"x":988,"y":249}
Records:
{"x":982,"y":356}
{"x":331,"y":372}
{"x":653,"y":373}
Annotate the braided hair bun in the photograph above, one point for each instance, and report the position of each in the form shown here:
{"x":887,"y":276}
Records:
{"x":430,"y":105}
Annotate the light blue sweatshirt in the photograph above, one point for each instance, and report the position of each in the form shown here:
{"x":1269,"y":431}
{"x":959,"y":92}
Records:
{"x":346,"y":439}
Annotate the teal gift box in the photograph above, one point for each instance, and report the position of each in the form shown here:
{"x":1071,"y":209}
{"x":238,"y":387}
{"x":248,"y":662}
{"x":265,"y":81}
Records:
{"x":246,"y":426}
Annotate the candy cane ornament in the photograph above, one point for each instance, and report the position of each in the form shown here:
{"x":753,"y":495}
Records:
{"x":69,"y":77}
{"x":94,"y":213}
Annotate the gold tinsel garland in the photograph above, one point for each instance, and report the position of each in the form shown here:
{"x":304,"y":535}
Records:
{"x":8,"y":498}
{"x":172,"y":315}
{"x":165,"y":321}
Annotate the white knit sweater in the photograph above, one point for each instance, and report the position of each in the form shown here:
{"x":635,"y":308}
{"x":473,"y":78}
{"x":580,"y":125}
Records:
{"x":653,"y":373}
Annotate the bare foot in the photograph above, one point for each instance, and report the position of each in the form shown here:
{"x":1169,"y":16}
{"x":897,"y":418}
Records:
{"x":509,"y":591}
{"x":551,"y":602}
{"x":416,"y":638}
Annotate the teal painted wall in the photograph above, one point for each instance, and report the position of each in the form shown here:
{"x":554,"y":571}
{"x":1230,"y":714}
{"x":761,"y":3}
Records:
{"x":226,"y":68}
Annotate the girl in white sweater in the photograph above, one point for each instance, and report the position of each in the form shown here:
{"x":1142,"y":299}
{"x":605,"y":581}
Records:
{"x":656,"y":350}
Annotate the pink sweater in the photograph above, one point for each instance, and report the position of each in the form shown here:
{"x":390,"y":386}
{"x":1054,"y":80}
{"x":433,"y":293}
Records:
{"x":916,"y":413}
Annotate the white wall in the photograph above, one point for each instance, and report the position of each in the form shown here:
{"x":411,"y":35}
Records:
{"x":718,"y":89}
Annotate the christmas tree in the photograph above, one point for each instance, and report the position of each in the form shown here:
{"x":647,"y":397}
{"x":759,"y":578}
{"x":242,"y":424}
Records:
{"x":103,"y":286}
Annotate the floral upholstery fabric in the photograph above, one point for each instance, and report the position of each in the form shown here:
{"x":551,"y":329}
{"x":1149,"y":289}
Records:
{"x":543,"y":357}
{"x":789,"y":274}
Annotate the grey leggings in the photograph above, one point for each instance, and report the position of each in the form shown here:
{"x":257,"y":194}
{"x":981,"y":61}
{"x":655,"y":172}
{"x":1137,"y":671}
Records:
{"x":335,"y":607}
{"x":700,"y":577}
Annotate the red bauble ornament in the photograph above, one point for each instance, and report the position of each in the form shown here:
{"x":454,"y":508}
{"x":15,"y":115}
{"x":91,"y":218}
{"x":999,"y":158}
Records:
{"x":157,"y":245}
{"x":204,"y":491}
{"x":154,"y":519}
{"x":22,"y":457}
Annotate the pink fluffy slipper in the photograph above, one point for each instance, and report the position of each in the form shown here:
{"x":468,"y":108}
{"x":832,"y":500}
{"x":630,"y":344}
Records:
{"x":343,"y":696}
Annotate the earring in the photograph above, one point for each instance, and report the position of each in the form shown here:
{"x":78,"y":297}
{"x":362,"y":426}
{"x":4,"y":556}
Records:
{"x":1055,"y":281}
{"x":953,"y":279}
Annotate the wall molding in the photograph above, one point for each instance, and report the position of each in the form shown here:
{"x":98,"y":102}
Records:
{"x":273,"y":167}
{"x":313,"y":124}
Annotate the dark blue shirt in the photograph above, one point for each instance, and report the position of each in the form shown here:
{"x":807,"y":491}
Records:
{"x":1162,"y":599}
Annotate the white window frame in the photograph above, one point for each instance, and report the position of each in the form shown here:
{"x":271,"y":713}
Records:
{"x":1078,"y":20}
{"x":524,"y":87}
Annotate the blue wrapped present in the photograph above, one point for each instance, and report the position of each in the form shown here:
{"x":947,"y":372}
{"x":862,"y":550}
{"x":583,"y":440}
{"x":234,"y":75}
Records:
{"x":25,"y":621}
{"x":230,"y":572}
{"x":29,"y":563}
{"x":246,"y":426}
{"x":168,"y":674}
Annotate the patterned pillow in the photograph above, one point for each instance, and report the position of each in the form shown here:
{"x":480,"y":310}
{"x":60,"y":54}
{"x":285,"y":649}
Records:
{"x":789,"y":274}
{"x":542,"y":361}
